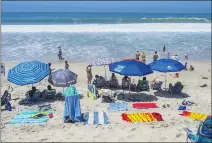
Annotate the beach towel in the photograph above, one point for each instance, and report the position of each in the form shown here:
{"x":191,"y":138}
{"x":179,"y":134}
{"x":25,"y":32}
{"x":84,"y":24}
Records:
{"x":142,"y":117}
{"x":194,"y":115}
{"x":144,"y":105}
{"x":118,"y":106}
{"x":183,"y":108}
{"x":26,"y":117}
{"x":96,"y":118}
{"x":72,"y":108}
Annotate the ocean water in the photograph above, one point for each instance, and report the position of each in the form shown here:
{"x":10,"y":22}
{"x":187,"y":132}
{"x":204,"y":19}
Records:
{"x":85,"y":36}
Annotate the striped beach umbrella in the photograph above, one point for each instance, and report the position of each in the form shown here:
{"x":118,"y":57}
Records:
{"x":28,"y":73}
{"x":102,"y":61}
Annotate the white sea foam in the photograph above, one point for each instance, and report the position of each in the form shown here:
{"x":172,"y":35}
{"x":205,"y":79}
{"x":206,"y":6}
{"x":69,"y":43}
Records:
{"x":144,"y":27}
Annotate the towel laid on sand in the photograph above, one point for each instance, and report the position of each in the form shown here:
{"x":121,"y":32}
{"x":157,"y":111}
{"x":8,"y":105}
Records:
{"x":144,"y":105}
{"x":142,"y":117}
{"x":95,"y":118}
{"x":26,"y":117}
{"x":194,"y":115}
{"x":118,"y":106}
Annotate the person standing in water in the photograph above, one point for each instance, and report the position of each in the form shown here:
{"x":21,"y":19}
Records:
{"x":155,"y":56}
{"x":60,"y":53}
{"x":66,"y":65}
{"x":137,"y":55}
{"x":164,"y":49}
{"x":143,"y":57}
{"x":89,"y":74}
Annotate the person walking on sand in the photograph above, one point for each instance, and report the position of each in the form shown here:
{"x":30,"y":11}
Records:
{"x":60,"y":53}
{"x":143,"y":57}
{"x":66,"y":65}
{"x":137,"y":55}
{"x":89,"y":74}
{"x":155,"y":56}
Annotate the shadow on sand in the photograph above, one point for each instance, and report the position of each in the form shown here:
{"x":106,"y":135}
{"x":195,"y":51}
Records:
{"x":137,"y":97}
{"x":168,"y":95}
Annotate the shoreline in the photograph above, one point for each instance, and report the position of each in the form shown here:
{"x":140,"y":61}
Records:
{"x":117,"y":28}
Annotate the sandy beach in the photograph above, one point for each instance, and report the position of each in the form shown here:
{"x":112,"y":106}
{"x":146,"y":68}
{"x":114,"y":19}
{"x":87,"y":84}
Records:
{"x":169,"y":130}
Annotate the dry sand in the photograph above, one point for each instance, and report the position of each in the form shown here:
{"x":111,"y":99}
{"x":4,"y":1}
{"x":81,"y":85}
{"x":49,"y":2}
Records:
{"x":169,"y":130}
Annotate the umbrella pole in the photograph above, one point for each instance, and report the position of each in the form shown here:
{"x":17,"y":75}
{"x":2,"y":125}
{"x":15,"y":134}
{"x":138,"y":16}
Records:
{"x":165,"y":81}
{"x":105,"y":73}
{"x":129,"y":85}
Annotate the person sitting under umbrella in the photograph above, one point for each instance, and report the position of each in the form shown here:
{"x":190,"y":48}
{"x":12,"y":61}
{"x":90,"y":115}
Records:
{"x":44,"y":92}
{"x":156,"y":84}
{"x":143,"y":85}
{"x":125,"y":82}
{"x":113,"y":82}
{"x":30,"y":93}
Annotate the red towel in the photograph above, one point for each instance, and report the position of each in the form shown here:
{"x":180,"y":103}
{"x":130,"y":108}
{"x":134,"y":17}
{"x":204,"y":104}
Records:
{"x":185,"y":113}
{"x":125,"y":118}
{"x":157,"y":116}
{"x":144,"y":105}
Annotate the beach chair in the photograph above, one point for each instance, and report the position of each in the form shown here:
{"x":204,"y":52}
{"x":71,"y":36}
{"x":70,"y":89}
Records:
{"x":157,"y":86}
{"x":72,"y":109}
{"x":36,"y":95}
{"x":50,"y":94}
{"x":143,"y":85}
{"x":176,"y":89}
{"x":204,"y":133}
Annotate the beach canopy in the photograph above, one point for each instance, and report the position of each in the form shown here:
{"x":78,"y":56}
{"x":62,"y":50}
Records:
{"x":130,"y":67}
{"x":102,"y":61}
{"x":28,"y":73}
{"x":167,"y":65}
{"x":63,"y":78}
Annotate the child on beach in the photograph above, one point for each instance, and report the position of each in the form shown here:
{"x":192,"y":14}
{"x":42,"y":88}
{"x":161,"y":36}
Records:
{"x":66,"y":65}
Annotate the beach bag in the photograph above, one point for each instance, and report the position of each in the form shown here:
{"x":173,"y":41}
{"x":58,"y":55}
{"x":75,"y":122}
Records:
{"x":107,"y":99}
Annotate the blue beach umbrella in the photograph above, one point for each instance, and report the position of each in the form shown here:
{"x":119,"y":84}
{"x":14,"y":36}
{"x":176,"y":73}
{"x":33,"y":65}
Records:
{"x":130,"y":67}
{"x":28,"y":73}
{"x":166,"y":65}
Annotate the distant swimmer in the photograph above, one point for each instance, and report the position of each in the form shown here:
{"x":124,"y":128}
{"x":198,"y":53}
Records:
{"x":137,"y":55}
{"x":60,"y":53}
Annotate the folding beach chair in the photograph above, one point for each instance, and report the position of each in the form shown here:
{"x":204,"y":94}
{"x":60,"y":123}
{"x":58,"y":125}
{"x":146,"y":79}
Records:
{"x":204,"y":133}
{"x":50,"y":94}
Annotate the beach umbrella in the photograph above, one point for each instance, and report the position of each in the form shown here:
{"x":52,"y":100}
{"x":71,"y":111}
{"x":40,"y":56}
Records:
{"x":102,"y":61}
{"x":28,"y":73}
{"x":166,"y":65}
{"x":63,"y":78}
{"x":130,"y":67}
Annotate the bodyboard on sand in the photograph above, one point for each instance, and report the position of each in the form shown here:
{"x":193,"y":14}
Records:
{"x":194,"y":115}
{"x":144,"y":105}
{"x":142,"y":117}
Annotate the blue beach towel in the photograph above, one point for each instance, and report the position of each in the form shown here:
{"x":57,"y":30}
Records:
{"x":95,"y":118}
{"x":183,"y":108}
{"x":72,"y":108}
{"x":25,"y":118}
{"x":118,"y":106}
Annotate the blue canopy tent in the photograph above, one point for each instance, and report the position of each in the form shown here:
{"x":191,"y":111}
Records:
{"x":28,"y":73}
{"x":130,"y":67}
{"x":166,"y":65}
